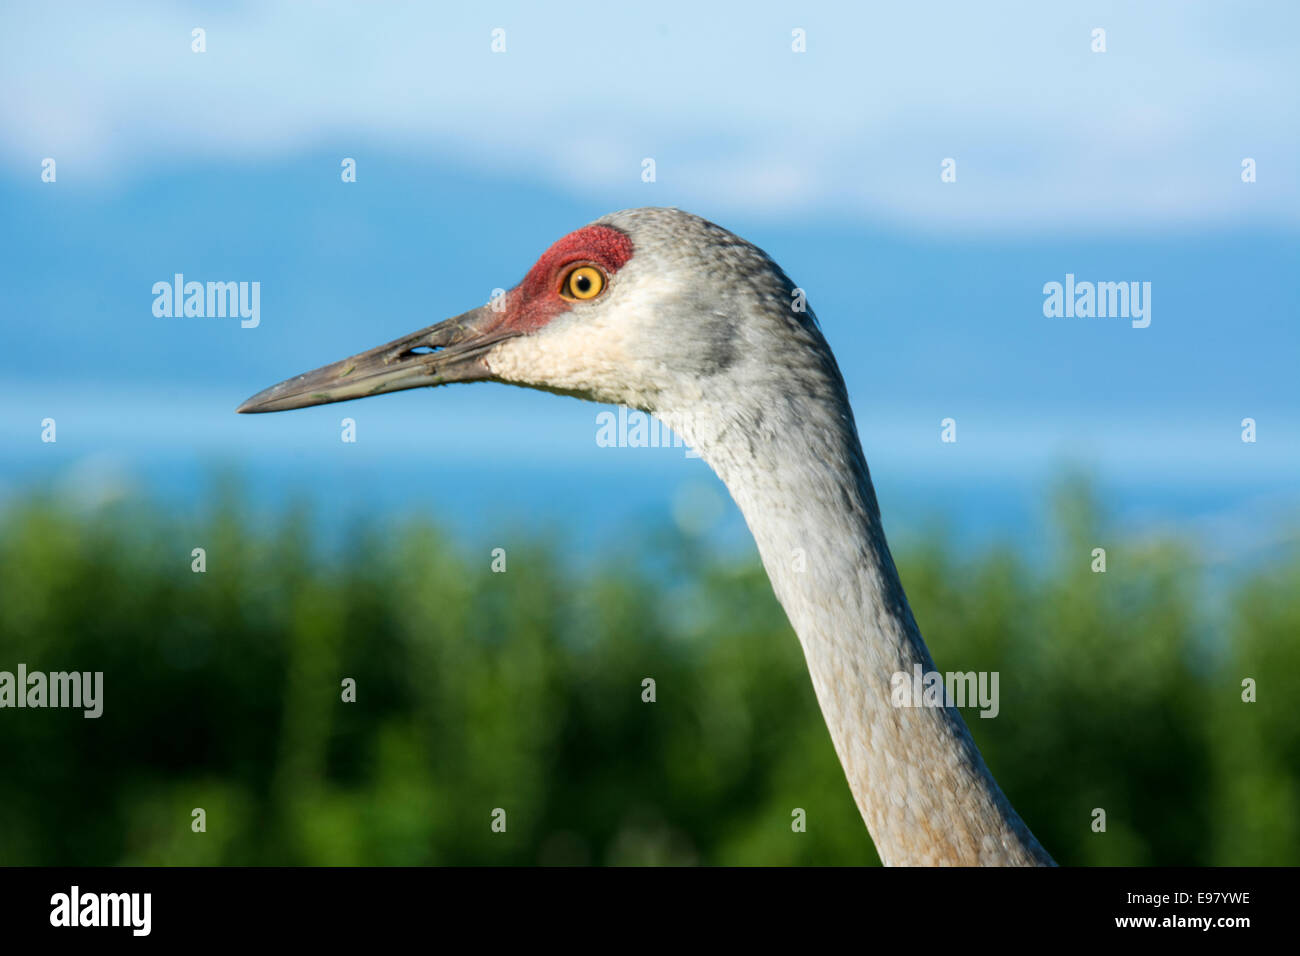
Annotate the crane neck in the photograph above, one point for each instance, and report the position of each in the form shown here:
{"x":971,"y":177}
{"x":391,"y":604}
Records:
{"x":794,"y":465}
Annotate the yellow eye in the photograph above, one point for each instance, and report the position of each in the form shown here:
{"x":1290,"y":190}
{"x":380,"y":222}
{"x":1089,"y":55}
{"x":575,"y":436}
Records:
{"x":584,"y":282}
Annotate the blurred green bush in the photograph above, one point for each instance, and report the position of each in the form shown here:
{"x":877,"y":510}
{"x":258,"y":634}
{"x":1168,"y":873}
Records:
{"x":523,"y":691}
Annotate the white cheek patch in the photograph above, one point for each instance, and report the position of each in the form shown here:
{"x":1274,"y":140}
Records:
{"x":604,"y":350}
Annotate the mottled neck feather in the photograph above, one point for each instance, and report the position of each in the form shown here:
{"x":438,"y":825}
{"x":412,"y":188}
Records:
{"x":792,"y":460}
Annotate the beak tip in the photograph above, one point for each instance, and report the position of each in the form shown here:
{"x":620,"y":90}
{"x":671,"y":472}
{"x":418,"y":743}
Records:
{"x":255,"y":404}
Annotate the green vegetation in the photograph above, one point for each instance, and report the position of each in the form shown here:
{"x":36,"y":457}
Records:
{"x":523,"y":691}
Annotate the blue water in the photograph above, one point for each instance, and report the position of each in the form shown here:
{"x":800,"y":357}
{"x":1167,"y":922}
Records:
{"x":925,"y":327}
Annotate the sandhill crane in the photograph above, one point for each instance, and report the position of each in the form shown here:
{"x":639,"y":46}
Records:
{"x":665,"y":312}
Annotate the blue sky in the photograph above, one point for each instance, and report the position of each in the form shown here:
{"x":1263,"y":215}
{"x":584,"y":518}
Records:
{"x":1115,"y":166}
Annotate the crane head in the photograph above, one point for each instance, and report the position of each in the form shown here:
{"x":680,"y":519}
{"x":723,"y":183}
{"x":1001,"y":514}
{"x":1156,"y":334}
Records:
{"x":639,"y":308}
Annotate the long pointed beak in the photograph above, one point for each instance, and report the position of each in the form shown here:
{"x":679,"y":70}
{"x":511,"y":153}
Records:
{"x":451,"y":351}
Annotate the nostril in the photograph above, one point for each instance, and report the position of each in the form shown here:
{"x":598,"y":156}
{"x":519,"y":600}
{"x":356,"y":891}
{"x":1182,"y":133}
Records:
{"x":424,"y":350}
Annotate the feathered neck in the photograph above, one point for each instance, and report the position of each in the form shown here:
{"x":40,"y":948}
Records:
{"x":791,"y":457}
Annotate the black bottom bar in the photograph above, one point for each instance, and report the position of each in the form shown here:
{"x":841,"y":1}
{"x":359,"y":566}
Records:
{"x":333,"y":905}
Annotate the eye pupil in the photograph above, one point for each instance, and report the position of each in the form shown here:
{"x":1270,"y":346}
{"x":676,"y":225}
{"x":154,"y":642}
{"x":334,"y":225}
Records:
{"x":583,"y":283}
